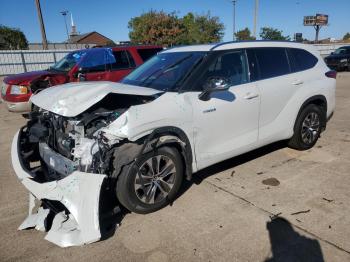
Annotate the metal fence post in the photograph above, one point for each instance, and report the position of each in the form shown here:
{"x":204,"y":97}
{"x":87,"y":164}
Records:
{"x":23,"y":62}
{"x":54,"y":56}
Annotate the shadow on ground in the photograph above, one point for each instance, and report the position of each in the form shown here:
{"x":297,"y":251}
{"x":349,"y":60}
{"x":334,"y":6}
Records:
{"x":289,"y":245}
{"x":111,"y":216}
{"x":200,"y":176}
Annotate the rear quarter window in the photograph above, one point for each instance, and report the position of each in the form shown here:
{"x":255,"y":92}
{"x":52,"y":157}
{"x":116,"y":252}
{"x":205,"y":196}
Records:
{"x":301,"y":59}
{"x":146,"y":54}
{"x":272,"y":61}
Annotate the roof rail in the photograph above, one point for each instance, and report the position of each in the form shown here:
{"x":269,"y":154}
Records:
{"x":248,"y":41}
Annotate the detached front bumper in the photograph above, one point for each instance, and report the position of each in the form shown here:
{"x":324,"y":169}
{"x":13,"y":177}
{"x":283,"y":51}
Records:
{"x":79,"y":193}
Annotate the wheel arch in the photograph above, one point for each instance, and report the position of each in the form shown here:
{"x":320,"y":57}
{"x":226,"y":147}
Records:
{"x":319,"y":100}
{"x":171,"y":136}
{"x":130,"y":151}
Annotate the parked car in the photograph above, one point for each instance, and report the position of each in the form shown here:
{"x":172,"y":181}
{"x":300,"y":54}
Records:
{"x":340,"y":59}
{"x":96,"y":64}
{"x":183,"y":110}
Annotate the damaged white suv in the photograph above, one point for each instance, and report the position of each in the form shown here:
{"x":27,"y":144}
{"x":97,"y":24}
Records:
{"x":183,"y":110}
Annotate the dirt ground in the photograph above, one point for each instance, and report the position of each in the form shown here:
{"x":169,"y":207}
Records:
{"x":224,"y":214}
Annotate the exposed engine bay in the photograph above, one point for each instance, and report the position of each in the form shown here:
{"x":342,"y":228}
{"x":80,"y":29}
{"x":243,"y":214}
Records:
{"x":79,"y":138}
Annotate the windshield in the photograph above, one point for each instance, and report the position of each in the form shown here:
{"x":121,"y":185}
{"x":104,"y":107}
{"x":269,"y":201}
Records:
{"x":69,"y":61}
{"x":340,"y":51}
{"x":165,"y":71}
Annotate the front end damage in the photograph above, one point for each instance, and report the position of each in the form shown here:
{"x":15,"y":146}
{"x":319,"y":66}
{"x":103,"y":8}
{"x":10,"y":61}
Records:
{"x":65,"y":162}
{"x":72,"y":150}
{"x":68,"y":207}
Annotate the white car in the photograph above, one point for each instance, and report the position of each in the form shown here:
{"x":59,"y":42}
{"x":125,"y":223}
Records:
{"x":183,"y":110}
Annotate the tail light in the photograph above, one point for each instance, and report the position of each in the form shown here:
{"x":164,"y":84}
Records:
{"x":331,"y":74}
{"x":18,"y":90}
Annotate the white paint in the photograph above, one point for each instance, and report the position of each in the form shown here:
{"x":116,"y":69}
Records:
{"x":74,"y":98}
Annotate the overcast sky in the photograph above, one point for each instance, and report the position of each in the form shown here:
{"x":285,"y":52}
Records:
{"x":111,"y":17}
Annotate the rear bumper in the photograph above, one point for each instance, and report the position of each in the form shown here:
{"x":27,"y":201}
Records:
{"x":18,"y":107}
{"x":78,"y":192}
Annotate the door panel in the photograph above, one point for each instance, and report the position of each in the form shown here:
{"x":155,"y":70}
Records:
{"x":227,"y":124}
{"x":95,"y":65}
{"x":275,"y":94}
{"x":117,"y":75}
{"x":277,"y":85}
{"x":95,"y":76}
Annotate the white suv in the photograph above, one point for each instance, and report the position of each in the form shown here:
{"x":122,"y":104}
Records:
{"x":183,"y":110}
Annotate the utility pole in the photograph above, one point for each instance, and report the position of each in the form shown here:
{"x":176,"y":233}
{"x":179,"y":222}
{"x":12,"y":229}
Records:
{"x":41,"y":22}
{"x":317,"y":28}
{"x":234,"y":19}
{"x":255,"y":17}
{"x":64,"y":13}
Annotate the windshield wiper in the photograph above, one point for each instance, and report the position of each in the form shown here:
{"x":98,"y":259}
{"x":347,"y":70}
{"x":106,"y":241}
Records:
{"x":165,"y":70}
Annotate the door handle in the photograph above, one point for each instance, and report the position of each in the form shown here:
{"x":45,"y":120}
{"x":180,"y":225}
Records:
{"x":251,"y":96}
{"x":298,"y":82}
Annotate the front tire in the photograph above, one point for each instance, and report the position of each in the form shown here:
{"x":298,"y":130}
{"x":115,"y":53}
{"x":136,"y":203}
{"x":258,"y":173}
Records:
{"x":308,"y":127}
{"x":151,"y":182}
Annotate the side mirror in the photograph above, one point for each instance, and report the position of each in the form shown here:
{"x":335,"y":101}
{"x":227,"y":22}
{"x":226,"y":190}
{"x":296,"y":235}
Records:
{"x":213,"y":84}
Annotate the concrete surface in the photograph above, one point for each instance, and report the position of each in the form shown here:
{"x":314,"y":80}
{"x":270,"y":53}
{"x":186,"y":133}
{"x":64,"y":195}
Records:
{"x":224,"y":215}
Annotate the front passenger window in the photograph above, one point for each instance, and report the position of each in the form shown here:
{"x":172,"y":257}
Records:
{"x":231,"y":66}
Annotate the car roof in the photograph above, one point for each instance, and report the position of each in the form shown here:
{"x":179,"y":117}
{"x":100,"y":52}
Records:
{"x":121,"y":47}
{"x":237,"y":45}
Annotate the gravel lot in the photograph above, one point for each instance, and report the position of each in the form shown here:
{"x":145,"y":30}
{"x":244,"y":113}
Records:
{"x":224,"y":215}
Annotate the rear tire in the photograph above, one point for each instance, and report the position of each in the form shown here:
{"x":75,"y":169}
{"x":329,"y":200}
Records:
{"x":308,"y":127}
{"x":152,"y":182}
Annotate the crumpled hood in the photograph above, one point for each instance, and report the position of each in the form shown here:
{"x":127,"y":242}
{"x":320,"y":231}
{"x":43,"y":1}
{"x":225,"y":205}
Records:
{"x":25,"y":78}
{"x":74,"y":98}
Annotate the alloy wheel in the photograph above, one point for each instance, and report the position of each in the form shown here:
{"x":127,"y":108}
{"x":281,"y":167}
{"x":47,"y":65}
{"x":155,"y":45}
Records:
{"x":310,"y":128}
{"x":155,"y":179}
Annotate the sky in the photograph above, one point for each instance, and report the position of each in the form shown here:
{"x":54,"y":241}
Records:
{"x":110,"y":17}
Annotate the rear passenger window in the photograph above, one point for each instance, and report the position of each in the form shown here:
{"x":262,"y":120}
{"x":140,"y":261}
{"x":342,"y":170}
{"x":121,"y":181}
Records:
{"x":121,"y":60}
{"x":272,"y":62}
{"x":148,"y":53}
{"x":301,"y":59}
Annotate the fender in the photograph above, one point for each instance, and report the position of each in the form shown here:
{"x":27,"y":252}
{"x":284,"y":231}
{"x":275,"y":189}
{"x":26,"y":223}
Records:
{"x":129,"y":152}
{"x":319,"y":100}
{"x":170,"y":135}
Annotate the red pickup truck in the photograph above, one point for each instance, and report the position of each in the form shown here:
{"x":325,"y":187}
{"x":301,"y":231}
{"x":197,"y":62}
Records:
{"x":95,"y":64}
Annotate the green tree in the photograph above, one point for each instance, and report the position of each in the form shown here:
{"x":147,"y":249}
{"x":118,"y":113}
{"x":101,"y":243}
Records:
{"x":168,"y":29}
{"x":156,"y":28}
{"x":346,"y":36}
{"x":244,"y":34}
{"x":269,"y":33}
{"x":12,"y":38}
{"x":200,"y":29}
